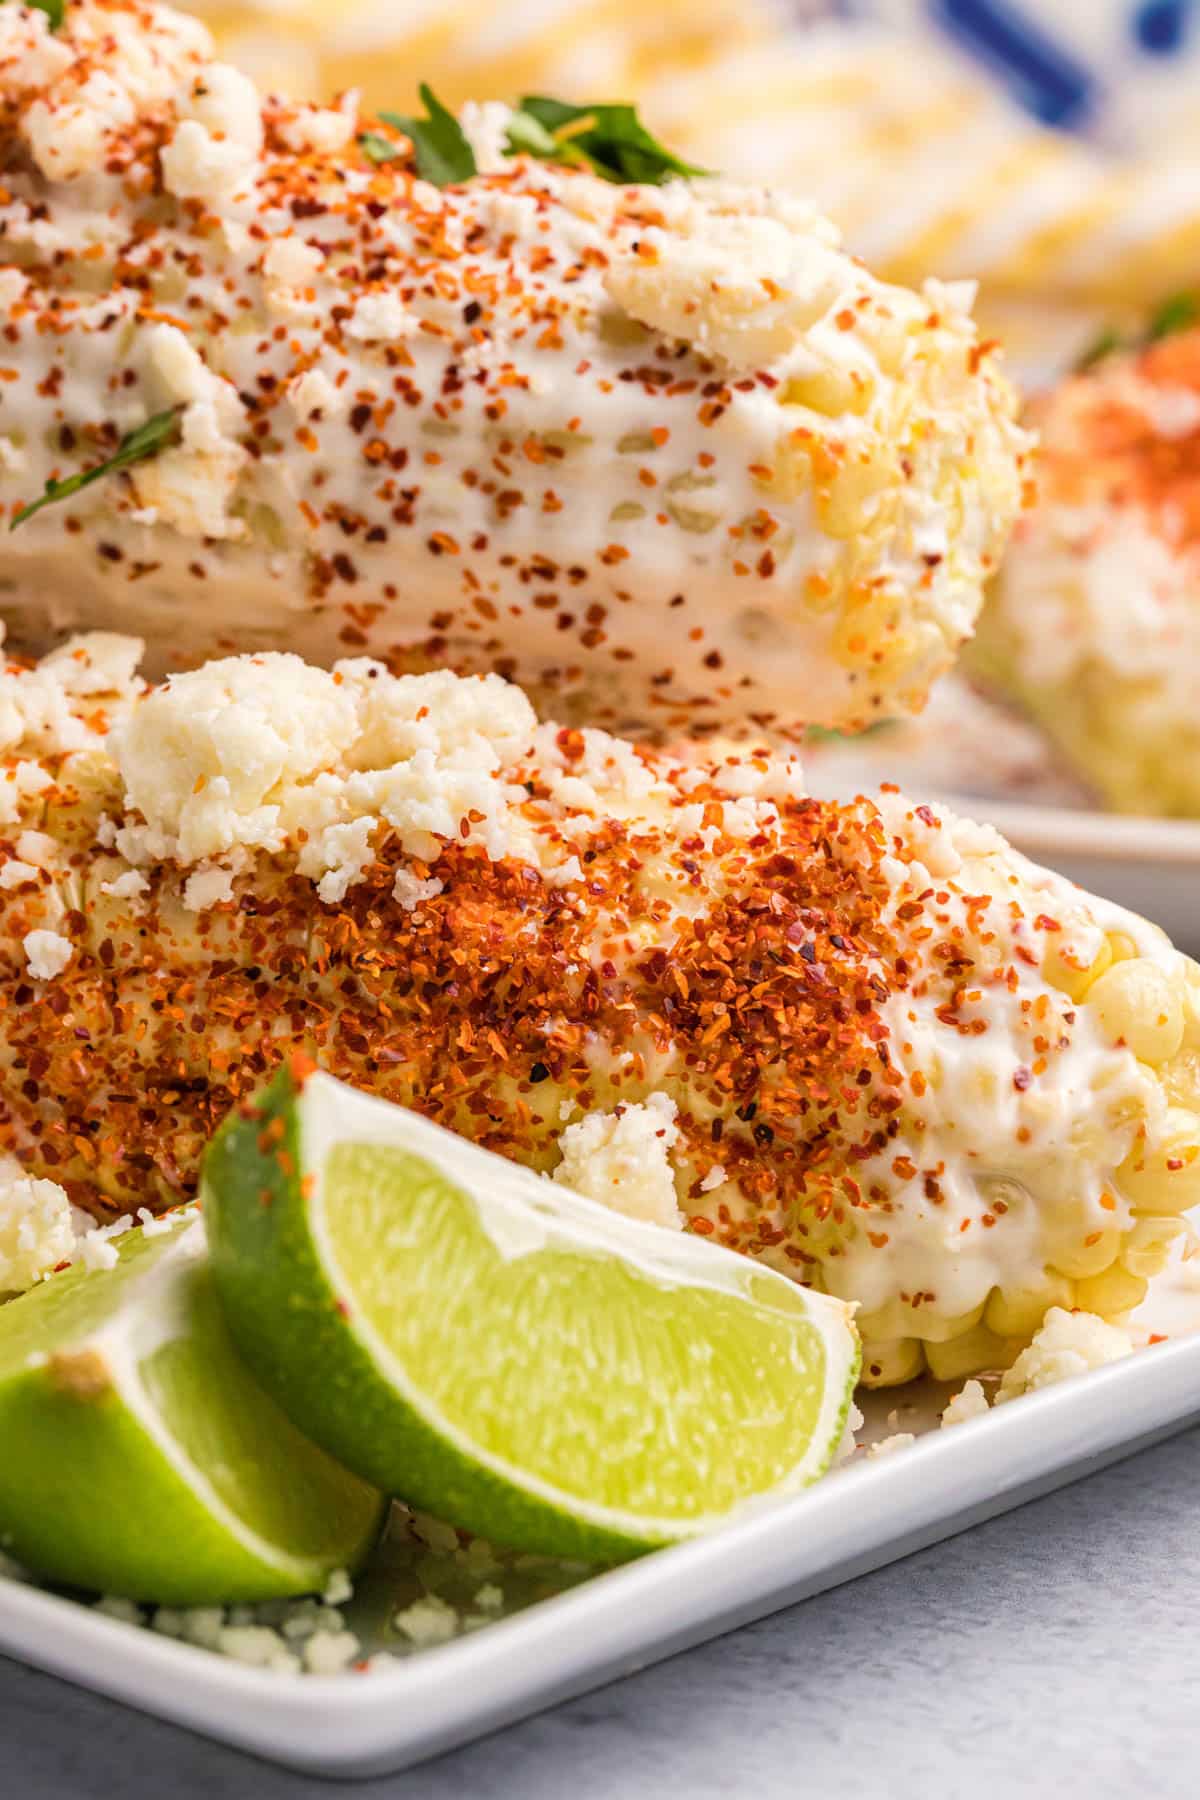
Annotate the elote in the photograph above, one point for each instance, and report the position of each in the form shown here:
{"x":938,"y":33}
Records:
{"x":1093,"y":625}
{"x":664,"y":454}
{"x":865,"y":1042}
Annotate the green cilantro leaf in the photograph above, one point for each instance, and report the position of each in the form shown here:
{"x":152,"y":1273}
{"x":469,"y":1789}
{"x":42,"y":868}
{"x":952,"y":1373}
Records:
{"x":1175,"y":314}
{"x":443,"y":154}
{"x":55,"y":11}
{"x":527,"y":136}
{"x":1102,"y":345}
{"x":377,"y":148}
{"x":610,"y":140}
{"x":1178,"y":313}
{"x":134,"y":447}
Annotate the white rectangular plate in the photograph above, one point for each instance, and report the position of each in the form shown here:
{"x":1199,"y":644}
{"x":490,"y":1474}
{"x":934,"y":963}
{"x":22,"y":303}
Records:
{"x":614,"y":1624}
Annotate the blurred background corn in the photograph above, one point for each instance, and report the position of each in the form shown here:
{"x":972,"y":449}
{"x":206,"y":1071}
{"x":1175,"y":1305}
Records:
{"x":869,"y":1046}
{"x":1094,"y":624}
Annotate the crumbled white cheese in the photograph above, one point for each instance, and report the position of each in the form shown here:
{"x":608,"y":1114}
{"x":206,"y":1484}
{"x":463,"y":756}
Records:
{"x":36,"y":1231}
{"x":290,"y":262}
{"x":209,"y":886}
{"x":320,"y":129}
{"x":259,"y":1647}
{"x":152,"y":1226}
{"x":338,"y":1588}
{"x":329,"y":1652}
{"x":96,"y":662}
{"x":218,"y":140}
{"x":485,"y":126}
{"x":428,"y":1622}
{"x":70,"y":138}
{"x":47,"y":953}
{"x":37,"y":847}
{"x":380,"y":316}
{"x":265,"y":751}
{"x":1069,"y":1343}
{"x":191,"y":484}
{"x":313,"y":392}
{"x":51,"y":707}
{"x":409,"y":891}
{"x":203,"y":755}
{"x":31,"y":778}
{"x":129,"y":886}
{"x":742,"y":287}
{"x":970,"y":1403}
{"x":288,"y":1637}
{"x":116,"y":1606}
{"x":899,"y":1440}
{"x":15,"y":873}
{"x":622,"y":1159}
{"x":96,"y":1253}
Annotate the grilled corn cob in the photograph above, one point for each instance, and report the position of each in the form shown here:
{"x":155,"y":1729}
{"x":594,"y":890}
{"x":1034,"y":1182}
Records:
{"x":665,"y":453}
{"x":1094,"y":623}
{"x":866,"y":1043}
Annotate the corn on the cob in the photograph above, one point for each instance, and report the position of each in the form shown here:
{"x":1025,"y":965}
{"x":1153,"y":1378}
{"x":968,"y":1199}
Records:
{"x":663,"y":452}
{"x":869,"y":1045}
{"x":1094,"y":623}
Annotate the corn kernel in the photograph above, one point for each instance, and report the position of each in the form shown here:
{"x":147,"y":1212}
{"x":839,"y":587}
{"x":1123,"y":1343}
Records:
{"x":1163,"y":1175}
{"x":1110,"y":1293}
{"x":974,"y":1350}
{"x":1181,"y":1076}
{"x":1074,"y":978}
{"x":900,"y":1320}
{"x":1134,"y":1001}
{"x":830,"y":391}
{"x":1148,"y":1247}
{"x":1087,"y":1254}
{"x":890,"y":1362}
{"x":1018,"y":1311}
{"x":1191,"y":1004}
{"x":940,"y":1328}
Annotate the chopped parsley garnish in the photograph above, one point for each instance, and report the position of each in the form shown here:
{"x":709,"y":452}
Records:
{"x":134,"y":447}
{"x":443,"y":152}
{"x":609,"y":140}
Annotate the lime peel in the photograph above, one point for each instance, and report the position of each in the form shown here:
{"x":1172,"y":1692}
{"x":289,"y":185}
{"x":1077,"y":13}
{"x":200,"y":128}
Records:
{"x":141,"y":1459}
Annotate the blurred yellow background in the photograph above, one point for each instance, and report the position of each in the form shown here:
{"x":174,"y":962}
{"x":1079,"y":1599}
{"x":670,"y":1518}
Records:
{"x":926,"y":165}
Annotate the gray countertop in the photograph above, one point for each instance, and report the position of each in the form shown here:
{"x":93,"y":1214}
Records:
{"x":1051,"y":1652}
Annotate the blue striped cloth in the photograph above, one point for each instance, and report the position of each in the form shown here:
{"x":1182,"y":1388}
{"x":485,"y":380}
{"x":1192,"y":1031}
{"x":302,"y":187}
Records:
{"x":1071,"y":63}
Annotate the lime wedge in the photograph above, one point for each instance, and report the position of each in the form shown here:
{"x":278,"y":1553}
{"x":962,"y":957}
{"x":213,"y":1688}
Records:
{"x":140,"y":1458}
{"x":501,"y":1352}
